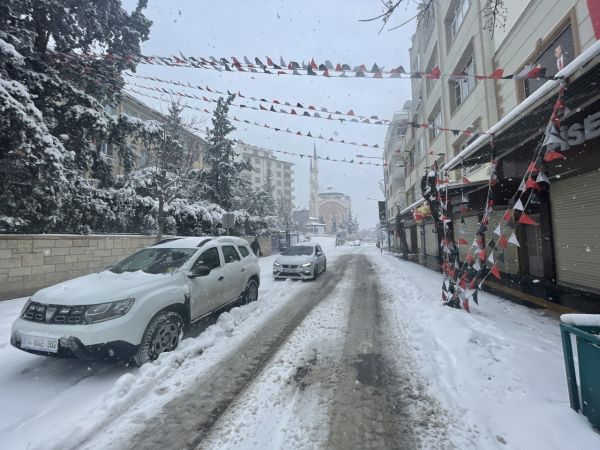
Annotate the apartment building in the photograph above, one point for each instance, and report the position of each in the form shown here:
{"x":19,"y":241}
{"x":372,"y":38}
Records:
{"x":132,"y":107}
{"x":394,"y":176}
{"x":265,"y":164}
{"x":558,"y":258}
{"x":450,"y":36}
{"x":563,"y":251}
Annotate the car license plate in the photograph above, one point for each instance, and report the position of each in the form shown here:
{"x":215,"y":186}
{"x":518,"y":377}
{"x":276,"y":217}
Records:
{"x":41,"y":343}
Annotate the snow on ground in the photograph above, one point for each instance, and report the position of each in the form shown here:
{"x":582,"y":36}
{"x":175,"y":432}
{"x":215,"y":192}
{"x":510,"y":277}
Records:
{"x":287,"y":405}
{"x":60,"y":403}
{"x":499,"y":368}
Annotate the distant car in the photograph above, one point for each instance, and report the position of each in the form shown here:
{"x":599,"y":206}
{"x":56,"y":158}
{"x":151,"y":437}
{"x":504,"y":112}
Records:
{"x":304,"y":261}
{"x":140,"y":307}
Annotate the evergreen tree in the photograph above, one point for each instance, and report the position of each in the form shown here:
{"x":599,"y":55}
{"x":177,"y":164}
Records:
{"x":52,"y":99}
{"x":268,"y":190}
{"x":224,"y":184}
{"x":169,"y":173}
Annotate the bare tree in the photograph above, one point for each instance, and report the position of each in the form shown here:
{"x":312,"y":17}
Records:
{"x":494,"y":13}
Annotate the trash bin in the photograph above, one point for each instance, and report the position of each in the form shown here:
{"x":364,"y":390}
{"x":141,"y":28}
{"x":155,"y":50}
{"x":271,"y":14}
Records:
{"x":586,"y":329}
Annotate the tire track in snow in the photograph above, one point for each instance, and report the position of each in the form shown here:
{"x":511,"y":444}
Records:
{"x":185,"y":421}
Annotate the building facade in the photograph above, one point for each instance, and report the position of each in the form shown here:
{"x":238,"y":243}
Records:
{"x":132,"y":107}
{"x":335,"y":211}
{"x":265,"y":165}
{"x":394,"y":174}
{"x":557,"y":258}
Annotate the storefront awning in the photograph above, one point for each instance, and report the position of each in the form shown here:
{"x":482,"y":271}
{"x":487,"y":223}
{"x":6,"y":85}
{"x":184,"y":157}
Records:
{"x":530,"y":117}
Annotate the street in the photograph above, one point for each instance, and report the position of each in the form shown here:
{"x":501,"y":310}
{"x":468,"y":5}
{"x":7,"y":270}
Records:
{"x":352,"y":360}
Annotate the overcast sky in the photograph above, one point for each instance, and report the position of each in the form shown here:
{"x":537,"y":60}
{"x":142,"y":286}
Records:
{"x":297,"y":30}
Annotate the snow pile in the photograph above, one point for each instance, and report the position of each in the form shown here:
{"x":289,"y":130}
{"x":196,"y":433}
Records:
{"x":500,"y":368}
{"x":582,"y":320}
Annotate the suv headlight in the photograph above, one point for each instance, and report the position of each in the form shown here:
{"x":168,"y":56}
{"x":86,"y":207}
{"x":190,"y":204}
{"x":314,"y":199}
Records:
{"x":25,"y":307}
{"x":107,"y":311}
{"x":308,"y":264}
{"x":276,"y":264}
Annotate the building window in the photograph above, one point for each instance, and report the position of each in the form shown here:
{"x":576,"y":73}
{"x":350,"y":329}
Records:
{"x":400,"y":131}
{"x":464,"y":80}
{"x":420,"y":148}
{"x":429,"y":83}
{"x":457,"y":18}
{"x":435,"y":121}
{"x":257,"y":180}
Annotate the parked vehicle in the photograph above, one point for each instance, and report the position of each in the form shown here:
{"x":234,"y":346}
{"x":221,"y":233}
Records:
{"x":140,"y":307}
{"x":305,"y":261}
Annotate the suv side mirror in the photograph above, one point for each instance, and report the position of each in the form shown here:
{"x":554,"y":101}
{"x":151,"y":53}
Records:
{"x":200,"y":271}
{"x":319,"y":253}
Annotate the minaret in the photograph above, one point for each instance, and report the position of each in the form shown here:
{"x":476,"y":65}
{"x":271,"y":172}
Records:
{"x":313,"y":203}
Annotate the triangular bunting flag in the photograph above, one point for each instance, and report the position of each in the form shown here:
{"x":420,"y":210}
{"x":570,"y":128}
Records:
{"x":513,"y":240}
{"x":519,"y":205}
{"x":474,"y":297}
{"x":498,"y":230}
{"x":542,"y":178}
{"x":553,"y":155}
{"x":494,"y":271}
{"x":525,"y":219}
{"x":503,"y":242}
{"x":500,"y":258}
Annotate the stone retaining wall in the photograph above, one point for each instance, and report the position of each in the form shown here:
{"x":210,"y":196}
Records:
{"x":30,"y":262}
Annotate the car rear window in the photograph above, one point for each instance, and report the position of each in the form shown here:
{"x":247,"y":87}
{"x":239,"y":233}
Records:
{"x":230,"y":254}
{"x":244,"y":251}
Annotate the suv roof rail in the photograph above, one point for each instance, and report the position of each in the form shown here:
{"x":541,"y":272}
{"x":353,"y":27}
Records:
{"x":203,"y":242}
{"x":164,"y":241}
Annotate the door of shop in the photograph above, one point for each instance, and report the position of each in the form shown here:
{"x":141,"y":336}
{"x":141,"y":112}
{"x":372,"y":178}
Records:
{"x":575,"y":205}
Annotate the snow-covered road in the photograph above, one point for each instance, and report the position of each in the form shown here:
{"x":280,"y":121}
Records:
{"x":366,"y":357}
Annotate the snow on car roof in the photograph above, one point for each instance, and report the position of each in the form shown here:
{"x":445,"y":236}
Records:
{"x":191,"y":242}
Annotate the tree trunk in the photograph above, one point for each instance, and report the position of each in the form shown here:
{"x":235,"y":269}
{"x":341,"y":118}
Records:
{"x":161,"y":216}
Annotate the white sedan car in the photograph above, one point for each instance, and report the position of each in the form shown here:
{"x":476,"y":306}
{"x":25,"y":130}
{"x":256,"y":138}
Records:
{"x":140,"y":307}
{"x":303,"y":261}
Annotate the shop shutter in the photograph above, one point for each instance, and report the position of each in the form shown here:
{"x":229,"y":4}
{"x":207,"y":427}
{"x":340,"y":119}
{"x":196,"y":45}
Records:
{"x":575,"y":206}
{"x":431,"y":239}
{"x":469,"y":228}
{"x":511,"y":253}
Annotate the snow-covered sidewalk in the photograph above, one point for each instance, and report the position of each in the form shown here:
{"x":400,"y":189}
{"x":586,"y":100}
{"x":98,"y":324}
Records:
{"x":500,"y":368}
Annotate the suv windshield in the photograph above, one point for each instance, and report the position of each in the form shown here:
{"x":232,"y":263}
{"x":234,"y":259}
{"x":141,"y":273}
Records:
{"x":155,"y":260}
{"x":299,"y":250}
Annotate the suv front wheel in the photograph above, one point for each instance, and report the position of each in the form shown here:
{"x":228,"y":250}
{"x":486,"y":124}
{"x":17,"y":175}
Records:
{"x":251,"y":292}
{"x":163,"y":334}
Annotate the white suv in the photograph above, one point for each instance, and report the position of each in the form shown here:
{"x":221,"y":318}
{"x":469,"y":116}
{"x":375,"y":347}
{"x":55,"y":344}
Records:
{"x":139,"y":307}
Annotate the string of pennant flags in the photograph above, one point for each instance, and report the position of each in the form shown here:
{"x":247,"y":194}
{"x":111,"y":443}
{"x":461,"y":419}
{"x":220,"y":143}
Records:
{"x":264,"y":125}
{"x":310,"y":110}
{"x":280,"y":110}
{"x":326,"y":69}
{"x":455,"y":132}
{"x":328,"y":158}
{"x":462,"y":282}
{"x":355,"y":161}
